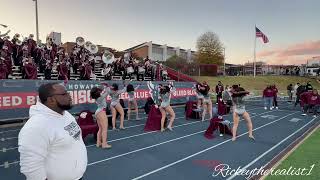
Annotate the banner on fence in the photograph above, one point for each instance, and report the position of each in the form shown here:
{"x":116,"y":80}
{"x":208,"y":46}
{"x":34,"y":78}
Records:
{"x":16,"y":96}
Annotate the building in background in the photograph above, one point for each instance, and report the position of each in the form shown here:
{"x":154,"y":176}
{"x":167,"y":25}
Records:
{"x":159,"y":52}
{"x":248,"y":68}
{"x":56,"y":37}
{"x":314,"y":61}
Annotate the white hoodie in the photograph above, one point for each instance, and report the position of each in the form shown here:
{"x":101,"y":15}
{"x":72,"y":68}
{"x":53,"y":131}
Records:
{"x":51,"y":146}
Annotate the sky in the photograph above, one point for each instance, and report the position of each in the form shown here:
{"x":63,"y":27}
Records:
{"x":292,"y":26}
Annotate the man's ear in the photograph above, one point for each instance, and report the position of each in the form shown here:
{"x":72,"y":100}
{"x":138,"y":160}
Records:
{"x":51,"y":100}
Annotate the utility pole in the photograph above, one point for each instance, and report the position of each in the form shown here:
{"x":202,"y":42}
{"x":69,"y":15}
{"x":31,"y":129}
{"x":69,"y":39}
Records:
{"x":37,"y":26}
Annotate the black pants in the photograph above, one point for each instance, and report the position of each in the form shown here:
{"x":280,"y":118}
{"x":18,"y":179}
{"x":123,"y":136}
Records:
{"x":314,"y":108}
{"x":47,"y":74}
{"x":275,"y":102}
{"x":297,"y":100}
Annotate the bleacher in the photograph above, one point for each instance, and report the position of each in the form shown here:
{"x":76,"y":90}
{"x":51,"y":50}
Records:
{"x":16,"y":74}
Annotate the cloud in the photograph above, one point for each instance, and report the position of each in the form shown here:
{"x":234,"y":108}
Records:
{"x":288,"y":60}
{"x":294,"y":54}
{"x":307,"y":48}
{"x":266,"y":53}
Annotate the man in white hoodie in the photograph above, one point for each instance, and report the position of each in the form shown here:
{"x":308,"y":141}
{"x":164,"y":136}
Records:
{"x":50,"y":143}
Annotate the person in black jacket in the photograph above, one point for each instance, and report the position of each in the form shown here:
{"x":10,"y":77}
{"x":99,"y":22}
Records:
{"x":309,"y":86}
{"x":290,"y":91}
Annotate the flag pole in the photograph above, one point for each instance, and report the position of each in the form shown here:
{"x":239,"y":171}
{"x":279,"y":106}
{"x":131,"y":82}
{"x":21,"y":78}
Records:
{"x":254,"y":52}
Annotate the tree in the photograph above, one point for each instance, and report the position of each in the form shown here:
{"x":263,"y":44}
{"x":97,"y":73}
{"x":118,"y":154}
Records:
{"x":182,"y":65}
{"x":210,"y":49}
{"x":176,"y":62}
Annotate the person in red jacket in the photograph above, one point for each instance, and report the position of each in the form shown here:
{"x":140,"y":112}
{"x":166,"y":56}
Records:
{"x":275,"y":93}
{"x":268,"y":95}
{"x":312,"y":102}
{"x":304,"y":98}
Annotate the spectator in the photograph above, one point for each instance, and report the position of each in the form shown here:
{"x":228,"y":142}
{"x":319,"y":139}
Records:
{"x":313,"y":103}
{"x":301,"y":89}
{"x":290,"y":91}
{"x":309,"y":86}
{"x":219,"y":90}
{"x":268,"y":95}
{"x":50,"y":143}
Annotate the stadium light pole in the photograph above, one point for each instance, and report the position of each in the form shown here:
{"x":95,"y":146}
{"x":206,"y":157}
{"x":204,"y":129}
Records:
{"x":37,"y":26}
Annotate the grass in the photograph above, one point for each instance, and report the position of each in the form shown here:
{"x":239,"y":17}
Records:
{"x":307,"y":154}
{"x":258,"y":83}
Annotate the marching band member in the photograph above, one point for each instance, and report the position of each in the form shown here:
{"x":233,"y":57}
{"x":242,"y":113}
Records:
{"x":165,"y":93}
{"x":75,"y":57}
{"x":132,"y":103}
{"x":7,"y":59}
{"x":107,"y":71}
{"x":129,"y":70}
{"x":23,"y":60}
{"x":48,"y":66}
{"x":62,"y":69}
{"x":32,"y":47}
{"x":3,"y":69}
{"x":85,"y":70}
{"x":16,"y":50}
{"x":30,"y":69}
{"x":8,"y":43}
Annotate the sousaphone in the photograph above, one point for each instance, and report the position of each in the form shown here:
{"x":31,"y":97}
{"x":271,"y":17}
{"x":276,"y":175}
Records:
{"x":80,"y":41}
{"x":107,"y":57}
{"x":93,"y":49}
{"x":87,"y":45}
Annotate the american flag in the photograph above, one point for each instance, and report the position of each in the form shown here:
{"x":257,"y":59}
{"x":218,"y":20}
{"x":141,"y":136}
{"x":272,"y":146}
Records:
{"x":260,"y":34}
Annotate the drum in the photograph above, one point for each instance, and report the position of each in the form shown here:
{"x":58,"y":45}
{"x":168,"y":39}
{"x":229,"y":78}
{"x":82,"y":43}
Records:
{"x":130,"y":70}
{"x":141,"y":70}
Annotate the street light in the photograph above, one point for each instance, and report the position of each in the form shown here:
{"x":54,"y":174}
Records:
{"x":37,"y":26}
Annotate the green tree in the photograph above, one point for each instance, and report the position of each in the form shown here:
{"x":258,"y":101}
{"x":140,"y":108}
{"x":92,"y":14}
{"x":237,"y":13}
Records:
{"x":210,"y":49}
{"x":176,"y":62}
